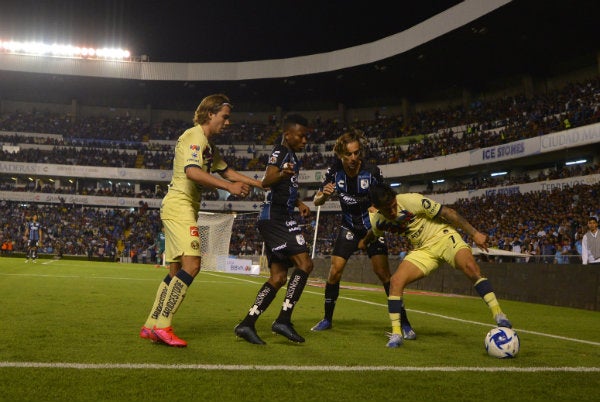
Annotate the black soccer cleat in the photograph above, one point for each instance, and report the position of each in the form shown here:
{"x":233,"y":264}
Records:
{"x":287,"y":330}
{"x":248,"y":334}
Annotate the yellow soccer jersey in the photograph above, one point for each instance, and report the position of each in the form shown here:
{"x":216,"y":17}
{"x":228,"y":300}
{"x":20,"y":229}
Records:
{"x":192,"y":149}
{"x":417,"y":220}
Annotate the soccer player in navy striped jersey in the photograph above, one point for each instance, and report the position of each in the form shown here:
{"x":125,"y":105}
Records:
{"x":351,"y":177}
{"x":33,"y":234}
{"x":285,"y":245}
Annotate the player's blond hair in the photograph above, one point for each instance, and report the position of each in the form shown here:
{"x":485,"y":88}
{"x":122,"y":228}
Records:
{"x":210,"y":104}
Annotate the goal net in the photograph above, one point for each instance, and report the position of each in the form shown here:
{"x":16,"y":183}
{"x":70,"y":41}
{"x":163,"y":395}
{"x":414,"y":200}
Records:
{"x":215,"y":235}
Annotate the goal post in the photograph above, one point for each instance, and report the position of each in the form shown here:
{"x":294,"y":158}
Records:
{"x":215,"y":236}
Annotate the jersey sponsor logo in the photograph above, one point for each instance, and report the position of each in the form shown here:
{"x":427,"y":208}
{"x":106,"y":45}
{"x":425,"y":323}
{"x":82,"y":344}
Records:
{"x":273,"y":157}
{"x":364,"y":183}
{"x":341,"y":183}
{"x":195,"y":244}
{"x":194,"y":231}
{"x":349,"y":200}
{"x":281,"y":247}
{"x":300,"y":240}
{"x":290,"y":223}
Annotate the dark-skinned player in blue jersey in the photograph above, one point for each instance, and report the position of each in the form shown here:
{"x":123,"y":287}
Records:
{"x":285,"y":245}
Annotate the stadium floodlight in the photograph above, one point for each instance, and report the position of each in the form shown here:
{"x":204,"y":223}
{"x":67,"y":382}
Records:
{"x":576,"y":162}
{"x":438,"y":181}
{"x":60,"y":50}
{"x":395,"y":184}
{"x":498,"y":174}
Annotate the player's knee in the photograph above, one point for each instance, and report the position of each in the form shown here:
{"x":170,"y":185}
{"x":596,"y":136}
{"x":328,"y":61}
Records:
{"x":335,"y":274}
{"x":472,"y":271}
{"x":278,"y":280}
{"x":307,"y":266}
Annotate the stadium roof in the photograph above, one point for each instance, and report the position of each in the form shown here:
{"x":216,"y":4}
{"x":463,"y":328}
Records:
{"x":523,"y":37}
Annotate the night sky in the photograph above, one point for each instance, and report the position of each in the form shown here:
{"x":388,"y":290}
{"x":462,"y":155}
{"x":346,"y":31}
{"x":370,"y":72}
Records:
{"x":535,"y":37}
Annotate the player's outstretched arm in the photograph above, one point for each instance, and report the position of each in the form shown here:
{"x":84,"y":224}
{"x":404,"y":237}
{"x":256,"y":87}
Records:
{"x":458,"y":221}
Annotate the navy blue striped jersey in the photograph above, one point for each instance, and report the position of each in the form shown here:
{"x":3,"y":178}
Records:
{"x":353,"y":193}
{"x":281,"y":199}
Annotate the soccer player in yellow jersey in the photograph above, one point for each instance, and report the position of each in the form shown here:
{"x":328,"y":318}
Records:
{"x":429,"y":226}
{"x":195,"y":159}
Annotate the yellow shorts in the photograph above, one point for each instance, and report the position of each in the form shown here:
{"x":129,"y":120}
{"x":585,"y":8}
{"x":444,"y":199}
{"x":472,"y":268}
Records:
{"x":181,"y":238}
{"x":428,"y":258}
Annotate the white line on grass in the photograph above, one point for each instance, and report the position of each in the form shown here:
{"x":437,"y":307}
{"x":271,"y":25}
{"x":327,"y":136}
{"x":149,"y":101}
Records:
{"x":564,"y":338}
{"x":233,"y":277}
{"x":236,"y":367}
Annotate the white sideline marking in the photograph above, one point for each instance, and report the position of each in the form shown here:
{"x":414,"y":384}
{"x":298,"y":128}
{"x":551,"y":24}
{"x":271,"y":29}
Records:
{"x":236,"y":278}
{"x":236,"y":367}
{"x":564,"y":338}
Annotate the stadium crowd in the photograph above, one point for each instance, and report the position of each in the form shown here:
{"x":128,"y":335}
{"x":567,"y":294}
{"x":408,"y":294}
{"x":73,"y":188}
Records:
{"x":436,"y":132}
{"x":547,"y":224}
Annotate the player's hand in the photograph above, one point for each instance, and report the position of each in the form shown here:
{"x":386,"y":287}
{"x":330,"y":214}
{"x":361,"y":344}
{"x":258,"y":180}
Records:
{"x":362,"y":245}
{"x":481,"y":240}
{"x":328,"y":189}
{"x":239,"y":188}
{"x":304,"y":210}
{"x":287,"y":170}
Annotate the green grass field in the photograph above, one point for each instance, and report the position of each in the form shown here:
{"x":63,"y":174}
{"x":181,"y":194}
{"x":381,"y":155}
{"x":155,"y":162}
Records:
{"x":70,"y":332}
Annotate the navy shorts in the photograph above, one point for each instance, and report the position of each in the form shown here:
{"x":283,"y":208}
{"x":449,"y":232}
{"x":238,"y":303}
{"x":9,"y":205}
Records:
{"x":347,"y":243}
{"x":283,"y":239}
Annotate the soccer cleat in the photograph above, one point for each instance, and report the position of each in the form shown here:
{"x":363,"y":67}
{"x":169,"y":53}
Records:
{"x":394,"y":341}
{"x":249,"y":334}
{"x":502,"y":321}
{"x":286,"y":330}
{"x":408,"y":333}
{"x":147,"y":333}
{"x":322,"y":325}
{"x":26,"y":261}
{"x":166,"y":335}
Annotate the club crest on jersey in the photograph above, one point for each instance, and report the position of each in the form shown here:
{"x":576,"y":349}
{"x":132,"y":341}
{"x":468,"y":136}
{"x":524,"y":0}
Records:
{"x":195,"y":147}
{"x":300,"y":240}
{"x":364,"y":183}
{"x":194,"y":231}
{"x":195,"y":244}
{"x":428,"y":205}
{"x":349,"y":235}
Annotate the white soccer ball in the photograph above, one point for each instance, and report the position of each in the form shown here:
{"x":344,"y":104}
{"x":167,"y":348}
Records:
{"x":502,"y":343}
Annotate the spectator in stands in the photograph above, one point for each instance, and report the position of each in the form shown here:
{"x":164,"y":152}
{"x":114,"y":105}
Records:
{"x":430,"y":227}
{"x":590,"y":244}
{"x":285,"y":245}
{"x":195,"y":159}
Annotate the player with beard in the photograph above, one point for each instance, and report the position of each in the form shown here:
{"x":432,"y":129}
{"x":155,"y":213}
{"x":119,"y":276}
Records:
{"x":351,"y":177}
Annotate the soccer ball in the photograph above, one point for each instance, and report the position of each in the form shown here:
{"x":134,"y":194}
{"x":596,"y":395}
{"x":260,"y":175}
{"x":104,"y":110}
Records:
{"x":502,"y":343}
